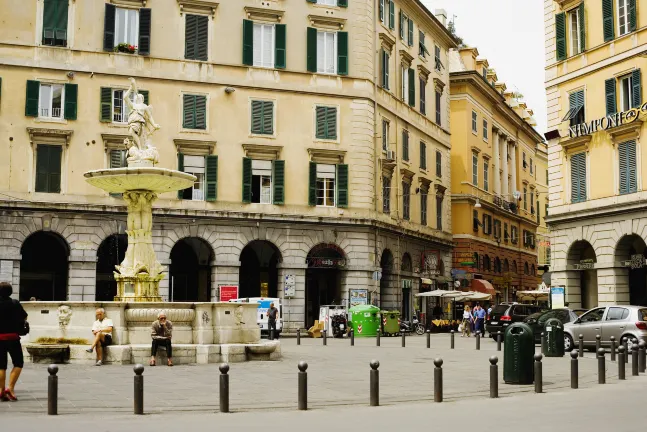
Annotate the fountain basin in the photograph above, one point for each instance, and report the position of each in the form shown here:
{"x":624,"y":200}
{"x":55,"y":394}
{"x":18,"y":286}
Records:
{"x":158,"y":180}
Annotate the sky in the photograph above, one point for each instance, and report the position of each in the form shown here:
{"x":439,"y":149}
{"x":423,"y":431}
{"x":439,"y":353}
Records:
{"x":510,"y":34}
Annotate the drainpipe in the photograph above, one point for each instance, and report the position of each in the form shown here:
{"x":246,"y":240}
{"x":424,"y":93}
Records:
{"x":377,"y":175}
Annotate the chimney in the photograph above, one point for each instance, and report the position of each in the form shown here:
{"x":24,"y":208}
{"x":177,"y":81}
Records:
{"x":441,"y":14}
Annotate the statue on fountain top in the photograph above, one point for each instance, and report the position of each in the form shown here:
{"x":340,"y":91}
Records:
{"x":141,"y":126}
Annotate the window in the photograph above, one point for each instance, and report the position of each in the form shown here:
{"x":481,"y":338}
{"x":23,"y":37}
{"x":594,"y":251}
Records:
{"x":574,"y":33}
{"x":593,"y":315}
{"x":576,"y":108}
{"x":497,"y":229}
{"x":262,"y":181}
{"x":48,"y":168}
{"x":477,"y":261}
{"x":422,"y":49}
{"x":385,"y":135}
{"x":423,"y":155}
{"x":486,"y":175}
{"x":546,"y":176}
{"x":487,"y":224}
{"x":532,"y":203}
{"x":438,"y":117}
{"x":578,"y":177}
{"x":623,"y":17}
{"x":475,"y":169}
{"x":326,"y":185}
{"x":262,"y":117}
{"x":195,"y":112}
{"x":404,"y":73}
{"x":439,"y":164}
{"x":386,"y":194}
{"x":514,"y":234}
{"x":627,"y":160}
{"x":406,"y":200}
{"x":475,"y":221}
{"x":626,"y":93}
{"x":326,"y":52}
{"x":438,"y":64}
{"x":506,"y":235}
{"x":120,"y":110}
{"x":196,"y":37}
{"x":439,"y":212}
{"x":617,"y":314}
{"x":126,"y":26}
{"x":485,"y":130}
{"x":327,"y":2}
{"x":525,"y":165}
{"x":326,"y":123}
{"x":383,"y":6}
{"x":55,"y":22}
{"x":385,"y":70}
{"x":403,"y":25}
{"x":264,"y":45}
{"x":51,"y":101}
{"x":525,"y":198}
{"x":391,"y":12}
{"x":531,"y":166}
{"x":424,"y":198}
{"x":405,"y":145}
{"x":423,"y":96}
{"x":474,"y":122}
{"x":118,"y":159}
{"x":410,"y":32}
{"x":195,"y":165}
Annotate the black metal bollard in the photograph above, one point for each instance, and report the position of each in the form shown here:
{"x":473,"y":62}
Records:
{"x":613,"y":348}
{"x":634,"y":359}
{"x":375,"y":383}
{"x":538,"y":378}
{"x":602,"y":374}
{"x":451,"y":339}
{"x":428,"y":338}
{"x":377,"y":338}
{"x":543,"y":341}
{"x":298,"y":336}
{"x":139,"y":389}
{"x":325,"y":338}
{"x":52,"y":390}
{"x":478,"y":340}
{"x":494,"y":377}
{"x":621,"y":362}
{"x":403,"y":339}
{"x":642,"y":356}
{"x":575,"y":368}
{"x":271,"y":334}
{"x":352,"y":338}
{"x":303,"y":386}
{"x":580,"y":347}
{"x":598,"y":343}
{"x":224,"y":388}
{"x":438,"y":380}
{"x":625,"y":343}
{"x":499,"y":336}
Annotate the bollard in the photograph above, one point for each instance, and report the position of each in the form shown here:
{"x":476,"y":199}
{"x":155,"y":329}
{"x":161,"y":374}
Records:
{"x":478,"y":340}
{"x":438,"y":380}
{"x":598,"y":343}
{"x":375,"y":383}
{"x":52,"y":390}
{"x":428,"y":338}
{"x":602,"y":378}
{"x":621,"y":362}
{"x":580,"y":347}
{"x":377,"y":339}
{"x":352,"y":338}
{"x":543,"y":342}
{"x":303,"y":386}
{"x":452,"y":339}
{"x":613,"y":348}
{"x":625,"y":342}
{"x":325,"y":340}
{"x":538,"y":378}
{"x":139,"y":389}
{"x":298,"y":336}
{"x":403,"y":341}
{"x":574,"y":370}
{"x":271,"y":335}
{"x":494,"y":377}
{"x":499,"y":336}
{"x":224,"y":388}
{"x":642,"y":356}
{"x":634,"y":359}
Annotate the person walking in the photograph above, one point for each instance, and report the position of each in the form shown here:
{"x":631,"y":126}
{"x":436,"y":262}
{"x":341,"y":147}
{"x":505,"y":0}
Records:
{"x":12,"y":326}
{"x":467,"y":322}
{"x":480,"y":320}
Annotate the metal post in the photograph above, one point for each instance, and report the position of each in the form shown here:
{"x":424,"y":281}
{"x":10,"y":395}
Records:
{"x":403,"y":341}
{"x":598,"y":343}
{"x":602,"y":377}
{"x":499,"y":336}
{"x":613,"y":348}
{"x":494,"y":377}
{"x":642,"y":356}
{"x":352,"y":338}
{"x":271,"y":335}
{"x":574,"y":370}
{"x":52,"y":390}
{"x":452,"y":339}
{"x":438,"y":380}
{"x":543,"y":341}
{"x":634,"y":359}
{"x":538,"y":378}
{"x":478,"y":340}
{"x":303,"y":386}
{"x":298,"y":336}
{"x":224,"y":388}
{"x":377,"y":339}
{"x":139,"y":389}
{"x":580,"y":347}
{"x":325,"y":341}
{"x":428,"y":338}
{"x":625,"y":342}
{"x":621,"y":362}
{"x":375,"y":383}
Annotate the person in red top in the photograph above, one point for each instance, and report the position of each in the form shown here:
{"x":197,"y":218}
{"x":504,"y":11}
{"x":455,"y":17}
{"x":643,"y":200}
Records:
{"x":12,"y":321}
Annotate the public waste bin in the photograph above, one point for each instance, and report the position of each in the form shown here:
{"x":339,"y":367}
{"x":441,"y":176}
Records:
{"x":518,"y":355}
{"x":553,"y":338}
{"x":390,"y":322}
{"x":365,"y":320}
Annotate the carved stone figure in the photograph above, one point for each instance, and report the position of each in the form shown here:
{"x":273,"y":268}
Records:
{"x":64,"y":316}
{"x":141,"y":125}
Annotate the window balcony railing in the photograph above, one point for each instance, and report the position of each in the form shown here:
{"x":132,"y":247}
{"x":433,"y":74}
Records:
{"x":55,"y":112}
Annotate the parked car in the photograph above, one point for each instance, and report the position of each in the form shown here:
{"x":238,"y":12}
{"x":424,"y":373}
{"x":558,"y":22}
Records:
{"x":504,"y":314}
{"x":607,"y":321}
{"x":537,"y":321}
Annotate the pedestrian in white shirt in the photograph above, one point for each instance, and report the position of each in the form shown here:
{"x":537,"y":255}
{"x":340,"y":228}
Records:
{"x":467,"y":322}
{"x":102,"y":331}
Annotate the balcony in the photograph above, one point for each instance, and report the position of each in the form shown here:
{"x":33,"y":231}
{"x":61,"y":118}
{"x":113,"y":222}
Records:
{"x":55,"y":112}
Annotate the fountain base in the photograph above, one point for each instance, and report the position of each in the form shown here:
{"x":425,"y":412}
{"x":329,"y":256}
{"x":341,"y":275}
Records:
{"x":138,"y":288}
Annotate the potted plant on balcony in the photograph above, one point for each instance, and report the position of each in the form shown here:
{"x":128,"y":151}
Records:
{"x":126,"y":48}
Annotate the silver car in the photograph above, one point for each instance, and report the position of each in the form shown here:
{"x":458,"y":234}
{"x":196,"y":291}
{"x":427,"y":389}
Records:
{"x":607,"y":321}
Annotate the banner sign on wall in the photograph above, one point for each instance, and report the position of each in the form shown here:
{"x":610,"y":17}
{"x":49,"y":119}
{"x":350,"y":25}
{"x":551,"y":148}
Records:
{"x":557,"y":298}
{"x":228,"y":292}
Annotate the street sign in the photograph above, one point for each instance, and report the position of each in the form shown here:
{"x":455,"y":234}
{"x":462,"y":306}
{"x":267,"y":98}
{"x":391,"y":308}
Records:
{"x":290,"y":286}
{"x":228,"y":292}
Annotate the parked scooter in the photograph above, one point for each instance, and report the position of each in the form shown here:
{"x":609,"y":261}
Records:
{"x":339,"y":326}
{"x":410,"y":326}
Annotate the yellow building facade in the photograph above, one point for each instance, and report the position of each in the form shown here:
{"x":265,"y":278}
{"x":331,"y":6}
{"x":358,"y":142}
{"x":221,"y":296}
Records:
{"x":594,"y":60}
{"x":497,"y":170}
{"x":279,"y":111}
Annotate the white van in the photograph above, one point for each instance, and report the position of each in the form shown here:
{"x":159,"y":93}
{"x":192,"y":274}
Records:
{"x":263,"y":306}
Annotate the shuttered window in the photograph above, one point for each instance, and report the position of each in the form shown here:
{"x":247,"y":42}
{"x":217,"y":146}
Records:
{"x":48,"y":168}
{"x":578,"y":177}
{"x":438,"y":109}
{"x":423,"y":96}
{"x":424,"y":199}
{"x":405,"y":145}
{"x":385,"y":70}
{"x":439,"y":212}
{"x":608,"y":24}
{"x":194,"y":112}
{"x":386,"y":194}
{"x":262,"y":117}
{"x":475,"y":169}
{"x":128,"y":27}
{"x":439,"y":164}
{"x":326,"y":123}
{"x":391,"y":14}
{"x":118,"y":159}
{"x":560,"y":36}
{"x":278,"y":182}
{"x":576,"y":112}
{"x":196,"y":37}
{"x":486,"y":175}
{"x":610,"y":95}
{"x":423,"y":155}
{"x":55,"y":22}
{"x":410,"y":41}
{"x":406,"y":200}
{"x":627,"y":160}
{"x":385,"y":135}
{"x":412,"y":88}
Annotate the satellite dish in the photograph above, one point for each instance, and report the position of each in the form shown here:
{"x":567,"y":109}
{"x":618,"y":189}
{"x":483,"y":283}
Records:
{"x":457,"y":283}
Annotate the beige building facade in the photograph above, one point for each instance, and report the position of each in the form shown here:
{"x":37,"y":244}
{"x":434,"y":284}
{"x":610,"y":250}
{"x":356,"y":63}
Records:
{"x":316,"y":169}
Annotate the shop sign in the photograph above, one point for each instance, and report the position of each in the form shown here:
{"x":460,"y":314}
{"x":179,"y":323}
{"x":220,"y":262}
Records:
{"x":636,"y":262}
{"x":557,"y":298}
{"x":430,"y":263}
{"x":358,"y":297}
{"x":228,"y":292}
{"x":606,"y":123}
{"x":325,"y":262}
{"x":587,"y":264}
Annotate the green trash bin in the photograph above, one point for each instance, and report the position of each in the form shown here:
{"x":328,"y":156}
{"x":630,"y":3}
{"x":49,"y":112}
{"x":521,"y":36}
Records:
{"x":365,"y":320}
{"x":390,"y":323}
{"x":518,"y":355}
{"x":553,"y":338}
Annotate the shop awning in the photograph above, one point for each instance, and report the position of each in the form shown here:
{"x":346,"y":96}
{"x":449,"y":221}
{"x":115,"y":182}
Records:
{"x":483,"y":286}
{"x":440,"y":293}
{"x":473,"y":296}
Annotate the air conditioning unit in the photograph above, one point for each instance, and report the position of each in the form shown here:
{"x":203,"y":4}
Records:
{"x":390,"y":155}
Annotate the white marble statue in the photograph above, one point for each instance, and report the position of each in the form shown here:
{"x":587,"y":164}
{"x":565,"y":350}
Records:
{"x":141,"y":126}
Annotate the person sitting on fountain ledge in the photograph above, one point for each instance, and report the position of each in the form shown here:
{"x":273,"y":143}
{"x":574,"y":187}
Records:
{"x":162,"y":332}
{"x":102,"y":331}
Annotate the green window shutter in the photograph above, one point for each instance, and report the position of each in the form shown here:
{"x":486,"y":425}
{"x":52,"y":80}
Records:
{"x":144,"y":47}
{"x":321,"y":122}
{"x":610,"y":95}
{"x":392,"y":14}
{"x":49,"y":21}
{"x":71,"y":96}
{"x":55,"y":169}
{"x":632,"y":182}
{"x":580,"y":12}
{"x":632,"y":15}
{"x":188,"y":121}
{"x":439,"y":166}
{"x":331,"y":123}
{"x":280,"y":55}
{"x":622,"y":158}
{"x":106,"y":104}
{"x":109,"y":27}
{"x":311,"y":58}
{"x":248,"y":43}
{"x":381,"y":9}
{"x":607,"y":20}
{"x":145,"y":94}
{"x":312,"y":185}
{"x":211,"y":174}
{"x":247,"y":180}
{"x":423,"y":97}
{"x":342,"y":3}
{"x":405,"y":145}
{"x":278,"y":182}
{"x":385,"y":70}
{"x":202,"y":38}
{"x":342,"y":53}
{"x":190,"y":36}
{"x":257,"y":117}
{"x":312,"y":1}
{"x":268,"y":117}
{"x":117,"y":159}
{"x":412,"y":88}
{"x":42,"y":168}
{"x":342,"y":186}
{"x":410,"y":32}
{"x":180,"y":167}
{"x":560,"y":35}
{"x":402,"y":21}
{"x":31,"y":100}
{"x":200,"y":112}
{"x":578,"y":177}
{"x":636,"y":91}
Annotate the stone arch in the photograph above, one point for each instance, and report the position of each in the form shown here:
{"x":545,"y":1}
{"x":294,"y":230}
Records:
{"x":582,"y":279}
{"x":44,"y":266}
{"x":325,"y":262}
{"x":389,"y":281}
{"x":258,"y":272}
{"x":631,"y":274}
{"x":110,"y":253}
{"x":406,"y":263}
{"x":190,"y":270}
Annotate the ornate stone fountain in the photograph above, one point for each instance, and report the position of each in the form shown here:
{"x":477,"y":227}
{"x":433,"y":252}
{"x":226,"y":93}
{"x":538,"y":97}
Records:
{"x":139,"y":275}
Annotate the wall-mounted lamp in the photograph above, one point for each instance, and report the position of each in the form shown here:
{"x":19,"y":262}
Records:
{"x":478,"y":203}
{"x":229,"y":90}
{"x":70,"y":74}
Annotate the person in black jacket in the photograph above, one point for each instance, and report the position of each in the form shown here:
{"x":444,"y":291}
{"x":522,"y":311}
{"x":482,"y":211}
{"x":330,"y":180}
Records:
{"x":12,"y":323}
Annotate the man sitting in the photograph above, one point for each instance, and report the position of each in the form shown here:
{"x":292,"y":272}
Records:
{"x":102,"y":331}
{"x":161,"y":332}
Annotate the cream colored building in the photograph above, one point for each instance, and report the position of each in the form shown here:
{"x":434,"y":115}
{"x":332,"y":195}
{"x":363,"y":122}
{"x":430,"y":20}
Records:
{"x":595,"y":52}
{"x":302,"y":192}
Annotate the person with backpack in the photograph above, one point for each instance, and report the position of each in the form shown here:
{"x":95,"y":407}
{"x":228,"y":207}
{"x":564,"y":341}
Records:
{"x":13,"y":324}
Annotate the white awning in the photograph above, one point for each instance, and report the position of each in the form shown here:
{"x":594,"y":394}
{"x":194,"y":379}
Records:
{"x":440,"y":293}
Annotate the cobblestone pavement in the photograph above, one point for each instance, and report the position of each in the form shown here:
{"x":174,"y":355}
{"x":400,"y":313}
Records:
{"x":337,"y":375}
